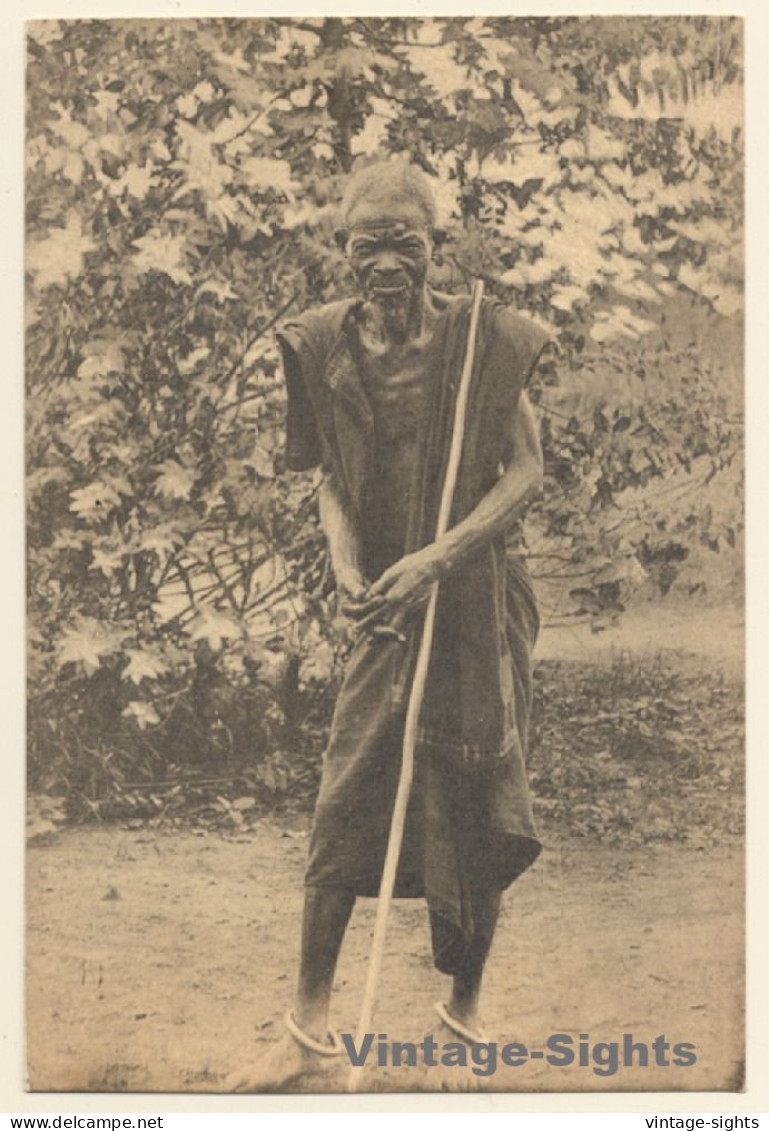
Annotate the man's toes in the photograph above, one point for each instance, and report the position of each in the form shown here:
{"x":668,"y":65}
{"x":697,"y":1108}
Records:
{"x":283,"y":1064}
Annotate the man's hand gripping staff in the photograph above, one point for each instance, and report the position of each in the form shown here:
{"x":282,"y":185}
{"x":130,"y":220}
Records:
{"x":383,"y":608}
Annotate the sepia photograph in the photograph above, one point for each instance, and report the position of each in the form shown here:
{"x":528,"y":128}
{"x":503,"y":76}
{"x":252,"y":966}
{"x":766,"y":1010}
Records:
{"x":385,"y":554}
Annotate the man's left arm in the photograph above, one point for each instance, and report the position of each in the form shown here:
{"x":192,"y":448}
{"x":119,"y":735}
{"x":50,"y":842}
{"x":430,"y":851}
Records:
{"x":512,"y":494}
{"x":407,"y":583}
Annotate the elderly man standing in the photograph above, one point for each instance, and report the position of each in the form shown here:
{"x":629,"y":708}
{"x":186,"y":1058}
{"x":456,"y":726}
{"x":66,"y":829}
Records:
{"x":371,"y":387}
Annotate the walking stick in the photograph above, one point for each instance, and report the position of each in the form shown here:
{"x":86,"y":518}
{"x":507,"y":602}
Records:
{"x":416,"y":696}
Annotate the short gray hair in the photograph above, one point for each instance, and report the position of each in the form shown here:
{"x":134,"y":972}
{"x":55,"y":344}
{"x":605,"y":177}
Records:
{"x":393,"y":178}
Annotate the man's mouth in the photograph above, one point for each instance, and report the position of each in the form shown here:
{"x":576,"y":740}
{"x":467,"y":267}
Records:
{"x":388,"y":288}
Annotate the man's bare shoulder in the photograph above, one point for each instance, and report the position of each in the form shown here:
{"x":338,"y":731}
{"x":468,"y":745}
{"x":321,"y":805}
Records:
{"x":507,"y":326}
{"x":520,"y":333}
{"x":515,"y":346}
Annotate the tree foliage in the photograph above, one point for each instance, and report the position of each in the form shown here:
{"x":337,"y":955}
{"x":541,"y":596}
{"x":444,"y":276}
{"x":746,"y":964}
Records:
{"x":181,"y":184}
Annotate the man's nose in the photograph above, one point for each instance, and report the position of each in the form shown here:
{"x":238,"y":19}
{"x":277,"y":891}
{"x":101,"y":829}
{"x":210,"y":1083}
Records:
{"x":387,"y":263}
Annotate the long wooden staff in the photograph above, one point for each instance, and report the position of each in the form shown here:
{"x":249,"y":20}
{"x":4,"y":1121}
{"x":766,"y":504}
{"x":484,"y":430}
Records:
{"x":415,"y":699}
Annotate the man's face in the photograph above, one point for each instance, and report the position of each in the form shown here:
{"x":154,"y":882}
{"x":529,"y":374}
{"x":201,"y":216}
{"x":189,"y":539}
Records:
{"x":389,"y":248}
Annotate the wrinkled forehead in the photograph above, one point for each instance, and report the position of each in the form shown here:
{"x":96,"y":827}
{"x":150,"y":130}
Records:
{"x":391,"y":217}
{"x":388,"y":229}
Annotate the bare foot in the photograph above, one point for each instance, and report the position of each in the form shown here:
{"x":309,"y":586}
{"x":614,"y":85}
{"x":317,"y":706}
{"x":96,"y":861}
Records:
{"x":282,"y":1065}
{"x":458,"y":1078}
{"x":452,"y":1078}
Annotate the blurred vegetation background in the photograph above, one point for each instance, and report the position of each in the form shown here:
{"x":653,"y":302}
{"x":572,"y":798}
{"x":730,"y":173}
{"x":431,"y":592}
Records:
{"x":182,"y":178}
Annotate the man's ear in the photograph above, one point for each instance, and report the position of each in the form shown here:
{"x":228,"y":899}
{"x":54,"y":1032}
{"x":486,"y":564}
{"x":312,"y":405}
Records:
{"x":340,"y":237}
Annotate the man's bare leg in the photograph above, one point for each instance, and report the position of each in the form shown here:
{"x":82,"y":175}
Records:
{"x":466,"y":986}
{"x":327,"y":912}
{"x":459,"y":1016}
{"x":326,"y":915}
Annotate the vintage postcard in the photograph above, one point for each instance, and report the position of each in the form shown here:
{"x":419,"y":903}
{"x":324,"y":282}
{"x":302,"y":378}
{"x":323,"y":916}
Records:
{"x":385,"y":554}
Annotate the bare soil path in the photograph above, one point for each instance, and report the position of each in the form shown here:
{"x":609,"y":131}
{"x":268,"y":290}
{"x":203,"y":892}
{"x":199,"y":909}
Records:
{"x":162,"y":959}
{"x":160,"y":963}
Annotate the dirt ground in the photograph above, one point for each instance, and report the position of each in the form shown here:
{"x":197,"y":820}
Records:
{"x":161,"y":960}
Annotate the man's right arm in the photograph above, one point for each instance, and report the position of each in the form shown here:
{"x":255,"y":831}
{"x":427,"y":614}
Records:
{"x":343,"y":539}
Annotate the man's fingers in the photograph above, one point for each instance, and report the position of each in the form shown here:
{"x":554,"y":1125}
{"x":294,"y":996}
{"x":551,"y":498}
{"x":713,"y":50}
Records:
{"x":383,"y":583}
{"x":398,"y":618}
{"x":365,"y":624}
{"x":384,"y":614}
{"x":387,"y":622}
{"x":359,"y":609}
{"x":352,"y":609}
{"x":387,"y":632}
{"x":384,"y":610}
{"x":353,"y":596}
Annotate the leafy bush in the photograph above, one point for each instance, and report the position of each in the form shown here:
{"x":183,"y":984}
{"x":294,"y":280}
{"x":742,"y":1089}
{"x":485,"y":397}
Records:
{"x":181,"y":184}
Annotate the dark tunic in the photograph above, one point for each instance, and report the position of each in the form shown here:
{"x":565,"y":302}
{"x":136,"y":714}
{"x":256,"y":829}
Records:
{"x":469,"y":826}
